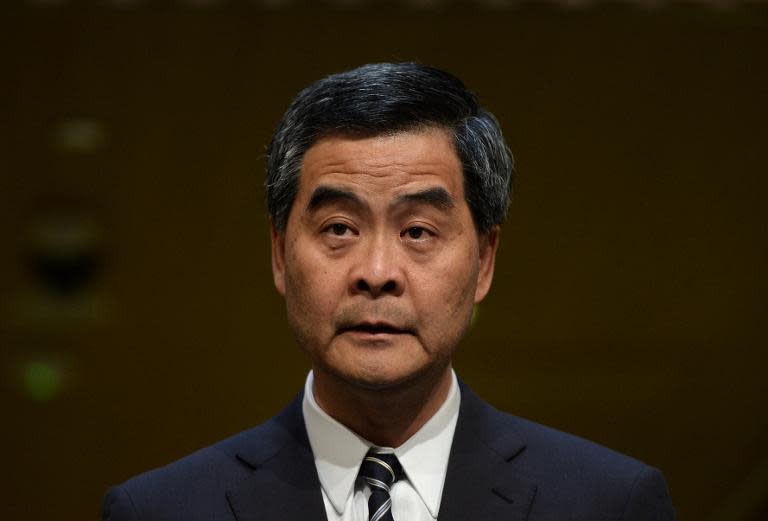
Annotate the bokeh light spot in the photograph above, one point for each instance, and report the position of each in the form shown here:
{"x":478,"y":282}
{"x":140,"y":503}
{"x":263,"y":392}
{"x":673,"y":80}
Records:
{"x":79,"y":135}
{"x":42,"y":380}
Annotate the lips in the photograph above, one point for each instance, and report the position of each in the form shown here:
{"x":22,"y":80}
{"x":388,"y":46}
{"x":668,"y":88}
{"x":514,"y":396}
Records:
{"x":375,"y":328}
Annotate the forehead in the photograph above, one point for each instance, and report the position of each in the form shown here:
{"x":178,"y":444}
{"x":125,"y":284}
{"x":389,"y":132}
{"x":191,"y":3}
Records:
{"x":387,"y":164}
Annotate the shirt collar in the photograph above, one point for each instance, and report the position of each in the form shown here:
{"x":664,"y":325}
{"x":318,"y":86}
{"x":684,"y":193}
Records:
{"x":338,"y":451}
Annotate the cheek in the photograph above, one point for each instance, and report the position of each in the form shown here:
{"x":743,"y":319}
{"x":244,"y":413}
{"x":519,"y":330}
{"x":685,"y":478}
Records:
{"x":448,"y":296}
{"x":310,"y":287}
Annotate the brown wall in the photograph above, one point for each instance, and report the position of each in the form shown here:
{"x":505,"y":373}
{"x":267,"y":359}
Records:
{"x":631,"y":287}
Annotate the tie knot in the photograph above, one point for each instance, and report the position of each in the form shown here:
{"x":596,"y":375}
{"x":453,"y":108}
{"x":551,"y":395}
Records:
{"x":380,"y":467}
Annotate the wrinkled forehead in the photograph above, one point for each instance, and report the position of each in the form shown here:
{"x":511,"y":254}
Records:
{"x":384,"y":162}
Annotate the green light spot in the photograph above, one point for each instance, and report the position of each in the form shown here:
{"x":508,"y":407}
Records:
{"x":473,"y":318}
{"x":42,"y":380}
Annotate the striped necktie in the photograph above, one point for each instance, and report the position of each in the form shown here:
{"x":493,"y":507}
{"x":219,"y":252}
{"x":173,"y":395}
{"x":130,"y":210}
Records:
{"x":380,"y":471}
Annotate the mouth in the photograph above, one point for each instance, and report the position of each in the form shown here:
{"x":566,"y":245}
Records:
{"x":375,"y":329}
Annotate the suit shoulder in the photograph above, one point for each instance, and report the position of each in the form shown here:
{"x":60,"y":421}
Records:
{"x":571,"y":451}
{"x":592,"y":479}
{"x":550,"y":449}
{"x":205,"y":462}
{"x":193,"y":487}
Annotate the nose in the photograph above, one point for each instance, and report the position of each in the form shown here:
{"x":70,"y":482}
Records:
{"x":377,"y":271}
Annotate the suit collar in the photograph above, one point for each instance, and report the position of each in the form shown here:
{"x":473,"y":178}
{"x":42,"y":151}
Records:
{"x":284,"y":485}
{"x":257,"y":446}
{"x":482,"y":482}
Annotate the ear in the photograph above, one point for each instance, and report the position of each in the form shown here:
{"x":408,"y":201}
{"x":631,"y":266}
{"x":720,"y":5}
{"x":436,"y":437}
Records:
{"x":278,"y":257}
{"x":489,"y":243}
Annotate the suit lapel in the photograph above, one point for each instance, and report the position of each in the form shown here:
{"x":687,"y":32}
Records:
{"x":481,"y":482}
{"x":284,"y":485}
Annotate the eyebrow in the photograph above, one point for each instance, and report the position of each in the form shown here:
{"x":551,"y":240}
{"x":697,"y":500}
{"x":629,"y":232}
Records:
{"x":325,"y":195}
{"x":436,"y":196}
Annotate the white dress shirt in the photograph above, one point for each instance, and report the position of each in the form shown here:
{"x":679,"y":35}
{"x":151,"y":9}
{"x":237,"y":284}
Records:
{"x":339,"y":452}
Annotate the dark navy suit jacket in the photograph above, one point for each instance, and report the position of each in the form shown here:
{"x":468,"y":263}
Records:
{"x":501,"y":468}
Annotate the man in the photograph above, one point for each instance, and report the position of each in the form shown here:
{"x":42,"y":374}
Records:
{"x":386,"y":187}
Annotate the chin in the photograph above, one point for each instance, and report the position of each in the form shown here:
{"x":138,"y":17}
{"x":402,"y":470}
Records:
{"x":377,"y":381}
{"x":378,"y":377}
{"x":379,"y":366}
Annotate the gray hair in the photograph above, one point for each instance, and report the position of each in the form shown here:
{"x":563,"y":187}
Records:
{"x":382,"y":98}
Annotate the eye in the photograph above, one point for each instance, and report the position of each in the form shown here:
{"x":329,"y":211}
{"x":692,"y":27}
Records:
{"x":417,"y":233}
{"x":338,"y":229}
{"x":337,"y":235}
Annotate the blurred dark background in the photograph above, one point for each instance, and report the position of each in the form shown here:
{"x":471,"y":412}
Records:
{"x":138,"y":321}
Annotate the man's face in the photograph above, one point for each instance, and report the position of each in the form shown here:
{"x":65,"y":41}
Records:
{"x":380,"y":263}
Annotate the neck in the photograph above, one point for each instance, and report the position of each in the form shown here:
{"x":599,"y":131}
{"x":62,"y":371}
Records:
{"x":385,"y":416}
